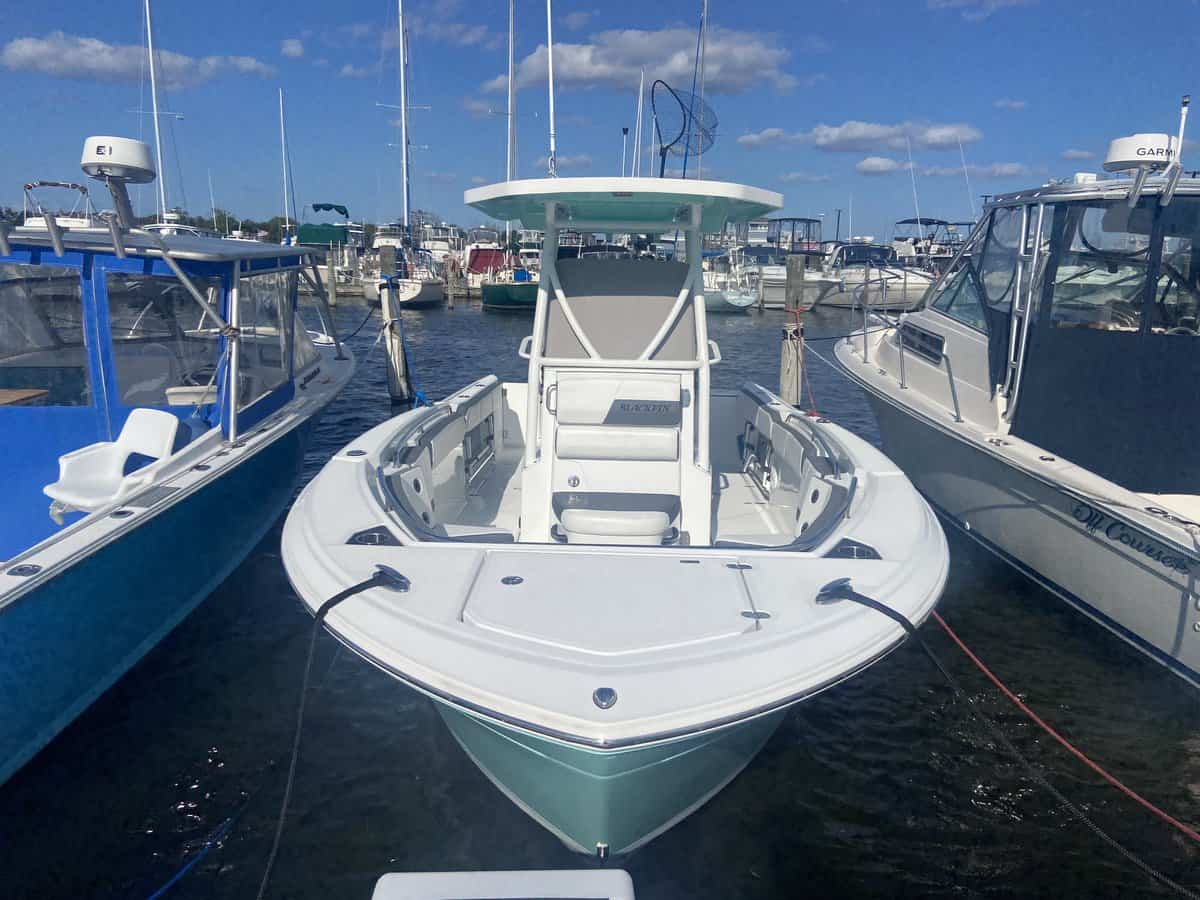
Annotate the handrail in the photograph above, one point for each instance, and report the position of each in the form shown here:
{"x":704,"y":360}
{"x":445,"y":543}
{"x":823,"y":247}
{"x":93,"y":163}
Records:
{"x":672,"y":317}
{"x":953,"y":391}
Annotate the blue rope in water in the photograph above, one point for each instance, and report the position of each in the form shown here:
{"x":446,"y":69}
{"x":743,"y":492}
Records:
{"x":211,"y":841}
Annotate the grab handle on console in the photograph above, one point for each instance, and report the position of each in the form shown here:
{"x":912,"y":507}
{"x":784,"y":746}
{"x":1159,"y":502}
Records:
{"x":714,"y":353}
{"x":526,"y":346}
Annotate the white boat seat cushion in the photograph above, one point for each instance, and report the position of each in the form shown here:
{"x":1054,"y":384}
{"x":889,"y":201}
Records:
{"x":613,"y":442}
{"x":94,"y":476}
{"x":615,"y":526}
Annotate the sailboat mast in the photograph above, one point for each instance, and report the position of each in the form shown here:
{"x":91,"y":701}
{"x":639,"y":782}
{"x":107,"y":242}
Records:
{"x":637,"y":128}
{"x":403,"y":114}
{"x":162,"y":175}
{"x":912,"y":173}
{"x":703,"y":47}
{"x":511,"y":161}
{"x":552,"y":162}
{"x":212,"y":203}
{"x":287,"y":221}
{"x":966,"y":177}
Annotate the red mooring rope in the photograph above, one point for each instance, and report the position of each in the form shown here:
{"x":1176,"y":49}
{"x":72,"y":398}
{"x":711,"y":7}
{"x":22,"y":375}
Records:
{"x":1077,"y":753}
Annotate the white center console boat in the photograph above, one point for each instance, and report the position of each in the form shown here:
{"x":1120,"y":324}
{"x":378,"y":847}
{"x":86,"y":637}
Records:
{"x":612,"y":579}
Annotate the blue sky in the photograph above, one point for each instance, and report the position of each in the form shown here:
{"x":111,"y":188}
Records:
{"x":819,"y":101}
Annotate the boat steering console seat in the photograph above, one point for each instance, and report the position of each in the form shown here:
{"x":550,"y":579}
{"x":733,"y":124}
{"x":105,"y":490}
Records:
{"x":95,"y":476}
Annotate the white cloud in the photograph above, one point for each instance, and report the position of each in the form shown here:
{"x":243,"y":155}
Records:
{"x":1009,"y":103}
{"x":804,"y":178}
{"x":292,"y":48}
{"x":863,"y":137}
{"x":581,"y":161}
{"x":61,"y":55}
{"x":478,"y":179}
{"x":578,"y":19}
{"x":457,"y":34}
{"x":764,"y":138}
{"x":735,"y":61}
{"x":976,"y":10}
{"x":995,"y":170}
{"x":479,"y":109}
{"x":1078,"y":154}
{"x":352,"y":71}
{"x":440,"y":177}
{"x":879,"y":165}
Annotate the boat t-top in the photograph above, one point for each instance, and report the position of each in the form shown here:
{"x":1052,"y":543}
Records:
{"x":611,"y":578}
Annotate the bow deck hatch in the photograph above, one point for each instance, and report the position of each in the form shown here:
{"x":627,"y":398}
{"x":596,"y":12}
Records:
{"x":579,"y":602}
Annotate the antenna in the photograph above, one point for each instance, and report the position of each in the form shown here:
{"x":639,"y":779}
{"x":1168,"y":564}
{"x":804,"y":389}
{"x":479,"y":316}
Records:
{"x":551,"y":162}
{"x":1176,"y":173}
{"x":624,"y":141}
{"x":162,"y":177}
{"x":212,"y":204}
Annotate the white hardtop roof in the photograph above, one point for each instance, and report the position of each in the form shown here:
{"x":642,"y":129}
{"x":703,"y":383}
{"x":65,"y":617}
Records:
{"x":653,"y":201}
{"x":139,"y":243}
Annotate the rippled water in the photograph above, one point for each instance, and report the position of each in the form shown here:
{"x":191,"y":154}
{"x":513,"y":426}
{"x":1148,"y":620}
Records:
{"x":880,"y":787}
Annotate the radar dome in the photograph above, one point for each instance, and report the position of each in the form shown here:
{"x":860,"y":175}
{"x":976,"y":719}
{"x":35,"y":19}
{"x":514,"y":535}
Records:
{"x":1151,"y":151}
{"x":117,"y":158}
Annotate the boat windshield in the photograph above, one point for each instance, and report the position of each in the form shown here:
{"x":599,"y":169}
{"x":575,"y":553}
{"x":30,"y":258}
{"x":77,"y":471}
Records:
{"x":1110,"y":373}
{"x":862,"y":254}
{"x":43,"y":357}
{"x":1111,"y":274}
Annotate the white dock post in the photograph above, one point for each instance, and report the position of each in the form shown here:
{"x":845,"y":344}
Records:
{"x":331,"y":279}
{"x":791,"y":358}
{"x":399,"y":386}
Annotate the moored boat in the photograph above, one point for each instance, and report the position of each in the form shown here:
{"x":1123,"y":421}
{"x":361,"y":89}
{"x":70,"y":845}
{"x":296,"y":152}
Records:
{"x":612,"y":580}
{"x":157,"y":393}
{"x":1044,"y":398}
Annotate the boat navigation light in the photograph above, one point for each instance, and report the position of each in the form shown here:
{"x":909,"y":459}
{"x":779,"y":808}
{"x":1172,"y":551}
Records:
{"x":117,"y":162}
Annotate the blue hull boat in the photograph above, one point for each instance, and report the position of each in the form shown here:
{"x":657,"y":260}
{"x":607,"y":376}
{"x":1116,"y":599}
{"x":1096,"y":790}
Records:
{"x":156,"y":397}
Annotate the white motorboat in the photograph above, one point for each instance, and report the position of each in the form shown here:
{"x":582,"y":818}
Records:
{"x":610,"y":579}
{"x":766,"y":265}
{"x":1063,"y":435}
{"x":863,"y":274}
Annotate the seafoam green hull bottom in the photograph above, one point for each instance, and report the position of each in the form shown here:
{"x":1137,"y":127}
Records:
{"x":616,"y":799}
{"x":510,"y":295}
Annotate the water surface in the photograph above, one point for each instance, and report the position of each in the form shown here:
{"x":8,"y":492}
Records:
{"x":879,"y":787}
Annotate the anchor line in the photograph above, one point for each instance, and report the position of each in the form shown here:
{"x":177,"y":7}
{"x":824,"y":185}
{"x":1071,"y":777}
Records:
{"x":843,"y":591}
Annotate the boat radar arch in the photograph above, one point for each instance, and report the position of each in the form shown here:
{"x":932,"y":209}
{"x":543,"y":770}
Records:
{"x":118,"y":161}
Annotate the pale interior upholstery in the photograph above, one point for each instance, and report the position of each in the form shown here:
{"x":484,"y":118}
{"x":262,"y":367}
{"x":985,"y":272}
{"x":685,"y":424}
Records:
{"x":94,"y":476}
{"x":620,"y":304}
{"x":614,"y":430}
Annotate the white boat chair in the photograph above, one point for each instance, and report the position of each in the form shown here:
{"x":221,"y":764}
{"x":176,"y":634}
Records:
{"x":94,"y":476}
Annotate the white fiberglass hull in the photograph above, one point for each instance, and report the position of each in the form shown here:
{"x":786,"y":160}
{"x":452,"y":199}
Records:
{"x":905,"y":289}
{"x":1085,"y":550}
{"x":415,"y":293}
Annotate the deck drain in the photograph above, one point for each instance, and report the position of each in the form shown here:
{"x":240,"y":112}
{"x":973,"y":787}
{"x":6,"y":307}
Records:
{"x":511,"y":579}
{"x":755,"y":614}
{"x":604,"y":697}
{"x":356,"y":452}
{"x":122,"y":514}
{"x":24,"y":570}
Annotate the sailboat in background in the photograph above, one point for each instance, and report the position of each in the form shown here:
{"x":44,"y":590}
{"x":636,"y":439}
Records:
{"x":416,"y":280}
{"x":514,"y":287}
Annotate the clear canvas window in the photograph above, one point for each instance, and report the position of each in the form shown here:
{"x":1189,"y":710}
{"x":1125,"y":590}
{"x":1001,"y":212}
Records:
{"x":43,"y":351}
{"x":1176,"y":302}
{"x":264,"y":323}
{"x":1102,"y":265}
{"x":165,"y":346}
